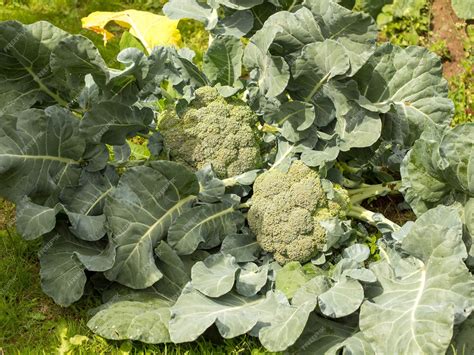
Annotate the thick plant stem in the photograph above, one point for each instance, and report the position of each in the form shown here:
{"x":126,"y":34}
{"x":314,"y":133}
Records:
{"x":244,"y":205}
{"x":229,"y":182}
{"x":363,"y":193}
{"x":370,"y":217}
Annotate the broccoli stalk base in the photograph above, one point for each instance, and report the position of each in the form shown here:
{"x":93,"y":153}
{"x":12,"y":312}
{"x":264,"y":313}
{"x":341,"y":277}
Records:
{"x":372,"y":218}
{"x":356,"y":196}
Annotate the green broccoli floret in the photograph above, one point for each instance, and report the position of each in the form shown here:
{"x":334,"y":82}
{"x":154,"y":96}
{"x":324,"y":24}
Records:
{"x":287,"y":208}
{"x":213,"y":130}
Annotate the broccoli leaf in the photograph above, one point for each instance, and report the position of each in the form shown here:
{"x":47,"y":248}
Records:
{"x":326,"y":336}
{"x":178,"y":9}
{"x":205,"y":225}
{"x":463,"y":9}
{"x":319,"y":62}
{"x":222,"y":62}
{"x":244,"y":247}
{"x":355,"y":31}
{"x":112,"y":122}
{"x":286,"y":327}
{"x":63,"y":260}
{"x":215,"y":276}
{"x":232,"y":313}
{"x":33,"y":221}
{"x":212,"y":189}
{"x":40,"y":152}
{"x":425,"y":294}
{"x":439,"y":168}
{"x":26,"y":72}
{"x":237,"y":24}
{"x":84,"y":203}
{"x":410,"y":99}
{"x":144,"y":320}
{"x":271,"y":73}
{"x":144,"y":314}
{"x":462,"y":341}
{"x":294,"y":117}
{"x":140,"y":211}
{"x":239,"y":4}
{"x":251,"y":278}
{"x":342,"y":299}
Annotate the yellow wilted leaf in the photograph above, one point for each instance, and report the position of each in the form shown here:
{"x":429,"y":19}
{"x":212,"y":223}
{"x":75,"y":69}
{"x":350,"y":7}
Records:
{"x":150,"y":29}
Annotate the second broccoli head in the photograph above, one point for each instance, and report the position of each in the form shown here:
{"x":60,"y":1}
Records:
{"x":213,"y":130}
{"x":287,"y":209}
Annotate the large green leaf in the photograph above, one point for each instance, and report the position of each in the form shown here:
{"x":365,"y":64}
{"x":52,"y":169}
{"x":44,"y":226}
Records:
{"x":286,"y":327}
{"x":244,"y":247}
{"x":338,"y":295}
{"x":33,"y":221}
{"x":440,"y":168}
{"x":144,"y":320}
{"x":25,"y":73}
{"x":324,"y":336}
{"x":373,"y":7}
{"x":423,"y":294}
{"x":43,"y":64}
{"x":222,"y":62}
{"x":318,"y":21}
{"x":78,"y":57}
{"x":294,"y":118}
{"x":462,"y":341}
{"x":355,"y":31}
{"x":204,"y":226}
{"x":40,"y":151}
{"x":176,"y":270}
{"x":84,"y":203}
{"x":251,"y":279}
{"x":237,"y":24}
{"x":355,"y":126}
{"x":214,"y":276}
{"x":112,"y":122}
{"x":140,"y":211}
{"x":63,"y":260}
{"x":407,"y":85}
{"x":178,"y":9}
{"x":456,"y":150}
{"x":291,"y":31}
{"x":271,"y":73}
{"x":319,"y":62}
{"x":239,"y":4}
{"x":232,"y":313}
{"x":342,"y":299}
{"x":144,"y":315}
{"x":463,"y":8}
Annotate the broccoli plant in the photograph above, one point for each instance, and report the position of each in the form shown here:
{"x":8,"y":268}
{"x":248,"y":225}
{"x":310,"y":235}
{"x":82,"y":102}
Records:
{"x":262,"y":157}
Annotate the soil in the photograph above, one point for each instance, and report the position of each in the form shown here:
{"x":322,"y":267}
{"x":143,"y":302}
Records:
{"x":448,"y":27}
{"x":389,"y":207}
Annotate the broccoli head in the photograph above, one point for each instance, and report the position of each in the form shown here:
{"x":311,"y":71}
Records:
{"x":213,"y":130}
{"x":286,"y":210}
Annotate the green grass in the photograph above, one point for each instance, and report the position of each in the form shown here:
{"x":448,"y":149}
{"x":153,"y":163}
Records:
{"x":462,"y":86}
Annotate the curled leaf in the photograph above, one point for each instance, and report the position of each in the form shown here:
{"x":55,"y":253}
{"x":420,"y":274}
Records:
{"x":150,"y":29}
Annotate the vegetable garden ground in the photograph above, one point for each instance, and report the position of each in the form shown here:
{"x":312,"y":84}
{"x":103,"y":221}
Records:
{"x":31,"y":322}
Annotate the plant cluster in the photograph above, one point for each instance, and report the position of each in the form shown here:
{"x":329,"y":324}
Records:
{"x":191,"y":236}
